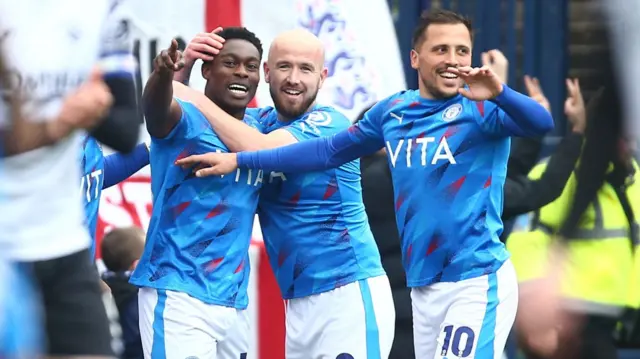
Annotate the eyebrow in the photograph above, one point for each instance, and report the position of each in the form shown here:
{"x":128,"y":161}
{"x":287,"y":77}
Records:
{"x":307,"y":64}
{"x":449,"y":45}
{"x":230,"y":54}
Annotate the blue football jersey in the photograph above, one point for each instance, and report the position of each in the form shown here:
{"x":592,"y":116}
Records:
{"x":314,"y":225}
{"x":200,"y":229}
{"x":92,"y":165}
{"x":448,"y":160}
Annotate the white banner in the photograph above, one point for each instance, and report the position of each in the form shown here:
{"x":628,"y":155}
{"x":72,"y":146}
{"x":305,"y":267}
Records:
{"x":364,"y":61}
{"x":362,"y":53}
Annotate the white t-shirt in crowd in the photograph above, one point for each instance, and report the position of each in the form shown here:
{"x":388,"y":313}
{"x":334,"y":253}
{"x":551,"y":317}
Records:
{"x":50,"y":47}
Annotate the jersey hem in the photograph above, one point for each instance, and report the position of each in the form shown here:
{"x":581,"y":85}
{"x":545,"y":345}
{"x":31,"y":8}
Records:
{"x":344,"y":281}
{"x":210,"y":300}
{"x":475,"y":273}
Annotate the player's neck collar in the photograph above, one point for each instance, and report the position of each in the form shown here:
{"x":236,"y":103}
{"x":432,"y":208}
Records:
{"x":433,"y":101}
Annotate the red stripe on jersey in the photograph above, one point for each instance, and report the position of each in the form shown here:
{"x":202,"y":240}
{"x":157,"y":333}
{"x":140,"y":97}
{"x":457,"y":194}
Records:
{"x":183,"y":154}
{"x":214,"y":264}
{"x":480,"y":106}
{"x":395,"y":102}
{"x":488,"y":183}
{"x":455,"y":186}
{"x":435,"y":243}
{"x":332,"y":188}
{"x":295,"y":198}
{"x":177,"y":210}
{"x":215,"y":211}
{"x":240,"y":267}
{"x":399,"y":202}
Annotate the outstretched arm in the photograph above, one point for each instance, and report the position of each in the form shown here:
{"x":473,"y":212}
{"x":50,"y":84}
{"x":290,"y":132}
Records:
{"x":162,"y":112}
{"x":310,"y":154}
{"x":319,"y":154}
{"x":525,"y":117}
{"x":520,"y":115}
{"x":118,"y":166}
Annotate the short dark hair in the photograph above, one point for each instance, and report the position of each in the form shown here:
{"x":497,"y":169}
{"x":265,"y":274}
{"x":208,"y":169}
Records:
{"x":438,"y":17}
{"x":241,"y":33}
{"x":119,"y":248}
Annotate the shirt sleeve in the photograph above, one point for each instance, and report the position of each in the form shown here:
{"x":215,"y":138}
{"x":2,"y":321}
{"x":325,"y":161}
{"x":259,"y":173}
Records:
{"x":119,"y":166}
{"x":368,"y":131}
{"x":319,"y":154}
{"x":322,"y":151}
{"x":116,"y":57}
{"x":514,"y":114}
{"x":184,"y":128}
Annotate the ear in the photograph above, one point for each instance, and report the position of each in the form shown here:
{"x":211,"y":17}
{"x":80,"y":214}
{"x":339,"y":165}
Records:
{"x":134,"y":264}
{"x":265,"y":67}
{"x":415,"y":63}
{"x":205,"y":69}
{"x":323,"y":76}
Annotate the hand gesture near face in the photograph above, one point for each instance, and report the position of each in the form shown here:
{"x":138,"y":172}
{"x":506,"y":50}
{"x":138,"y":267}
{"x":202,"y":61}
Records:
{"x":482,"y":83}
{"x":204,"y":46}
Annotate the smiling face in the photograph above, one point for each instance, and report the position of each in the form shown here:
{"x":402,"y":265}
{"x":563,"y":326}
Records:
{"x":444,"y":46}
{"x":233,"y":76}
{"x":295,"y":72}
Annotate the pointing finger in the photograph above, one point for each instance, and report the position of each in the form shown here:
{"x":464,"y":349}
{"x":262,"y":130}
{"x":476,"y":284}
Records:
{"x":210,"y":171}
{"x":190,"y":160}
{"x":173,"y":47}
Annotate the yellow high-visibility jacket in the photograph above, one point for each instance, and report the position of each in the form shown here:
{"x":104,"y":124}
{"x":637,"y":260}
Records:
{"x":603,"y":268}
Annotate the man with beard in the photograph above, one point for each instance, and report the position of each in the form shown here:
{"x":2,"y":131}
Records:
{"x":448,"y":146}
{"x":320,"y":246}
{"x":194,"y":271}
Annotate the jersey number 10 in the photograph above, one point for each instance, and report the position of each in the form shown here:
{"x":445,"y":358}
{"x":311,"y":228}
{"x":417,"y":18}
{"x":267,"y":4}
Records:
{"x":454,"y":344}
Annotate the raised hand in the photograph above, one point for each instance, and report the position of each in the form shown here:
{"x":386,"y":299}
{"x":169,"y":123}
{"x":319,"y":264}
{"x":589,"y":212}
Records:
{"x":210,"y":164}
{"x":204,"y":46}
{"x":534,"y":90}
{"x":574,"y":106}
{"x":482,"y":83}
{"x":88,"y":105}
{"x":169,"y":60}
{"x":495,"y":60}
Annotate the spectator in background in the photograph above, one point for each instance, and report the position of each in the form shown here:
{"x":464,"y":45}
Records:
{"x":523,"y":194}
{"x":377,"y":195}
{"x":121,"y":250}
{"x":580,"y":260}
